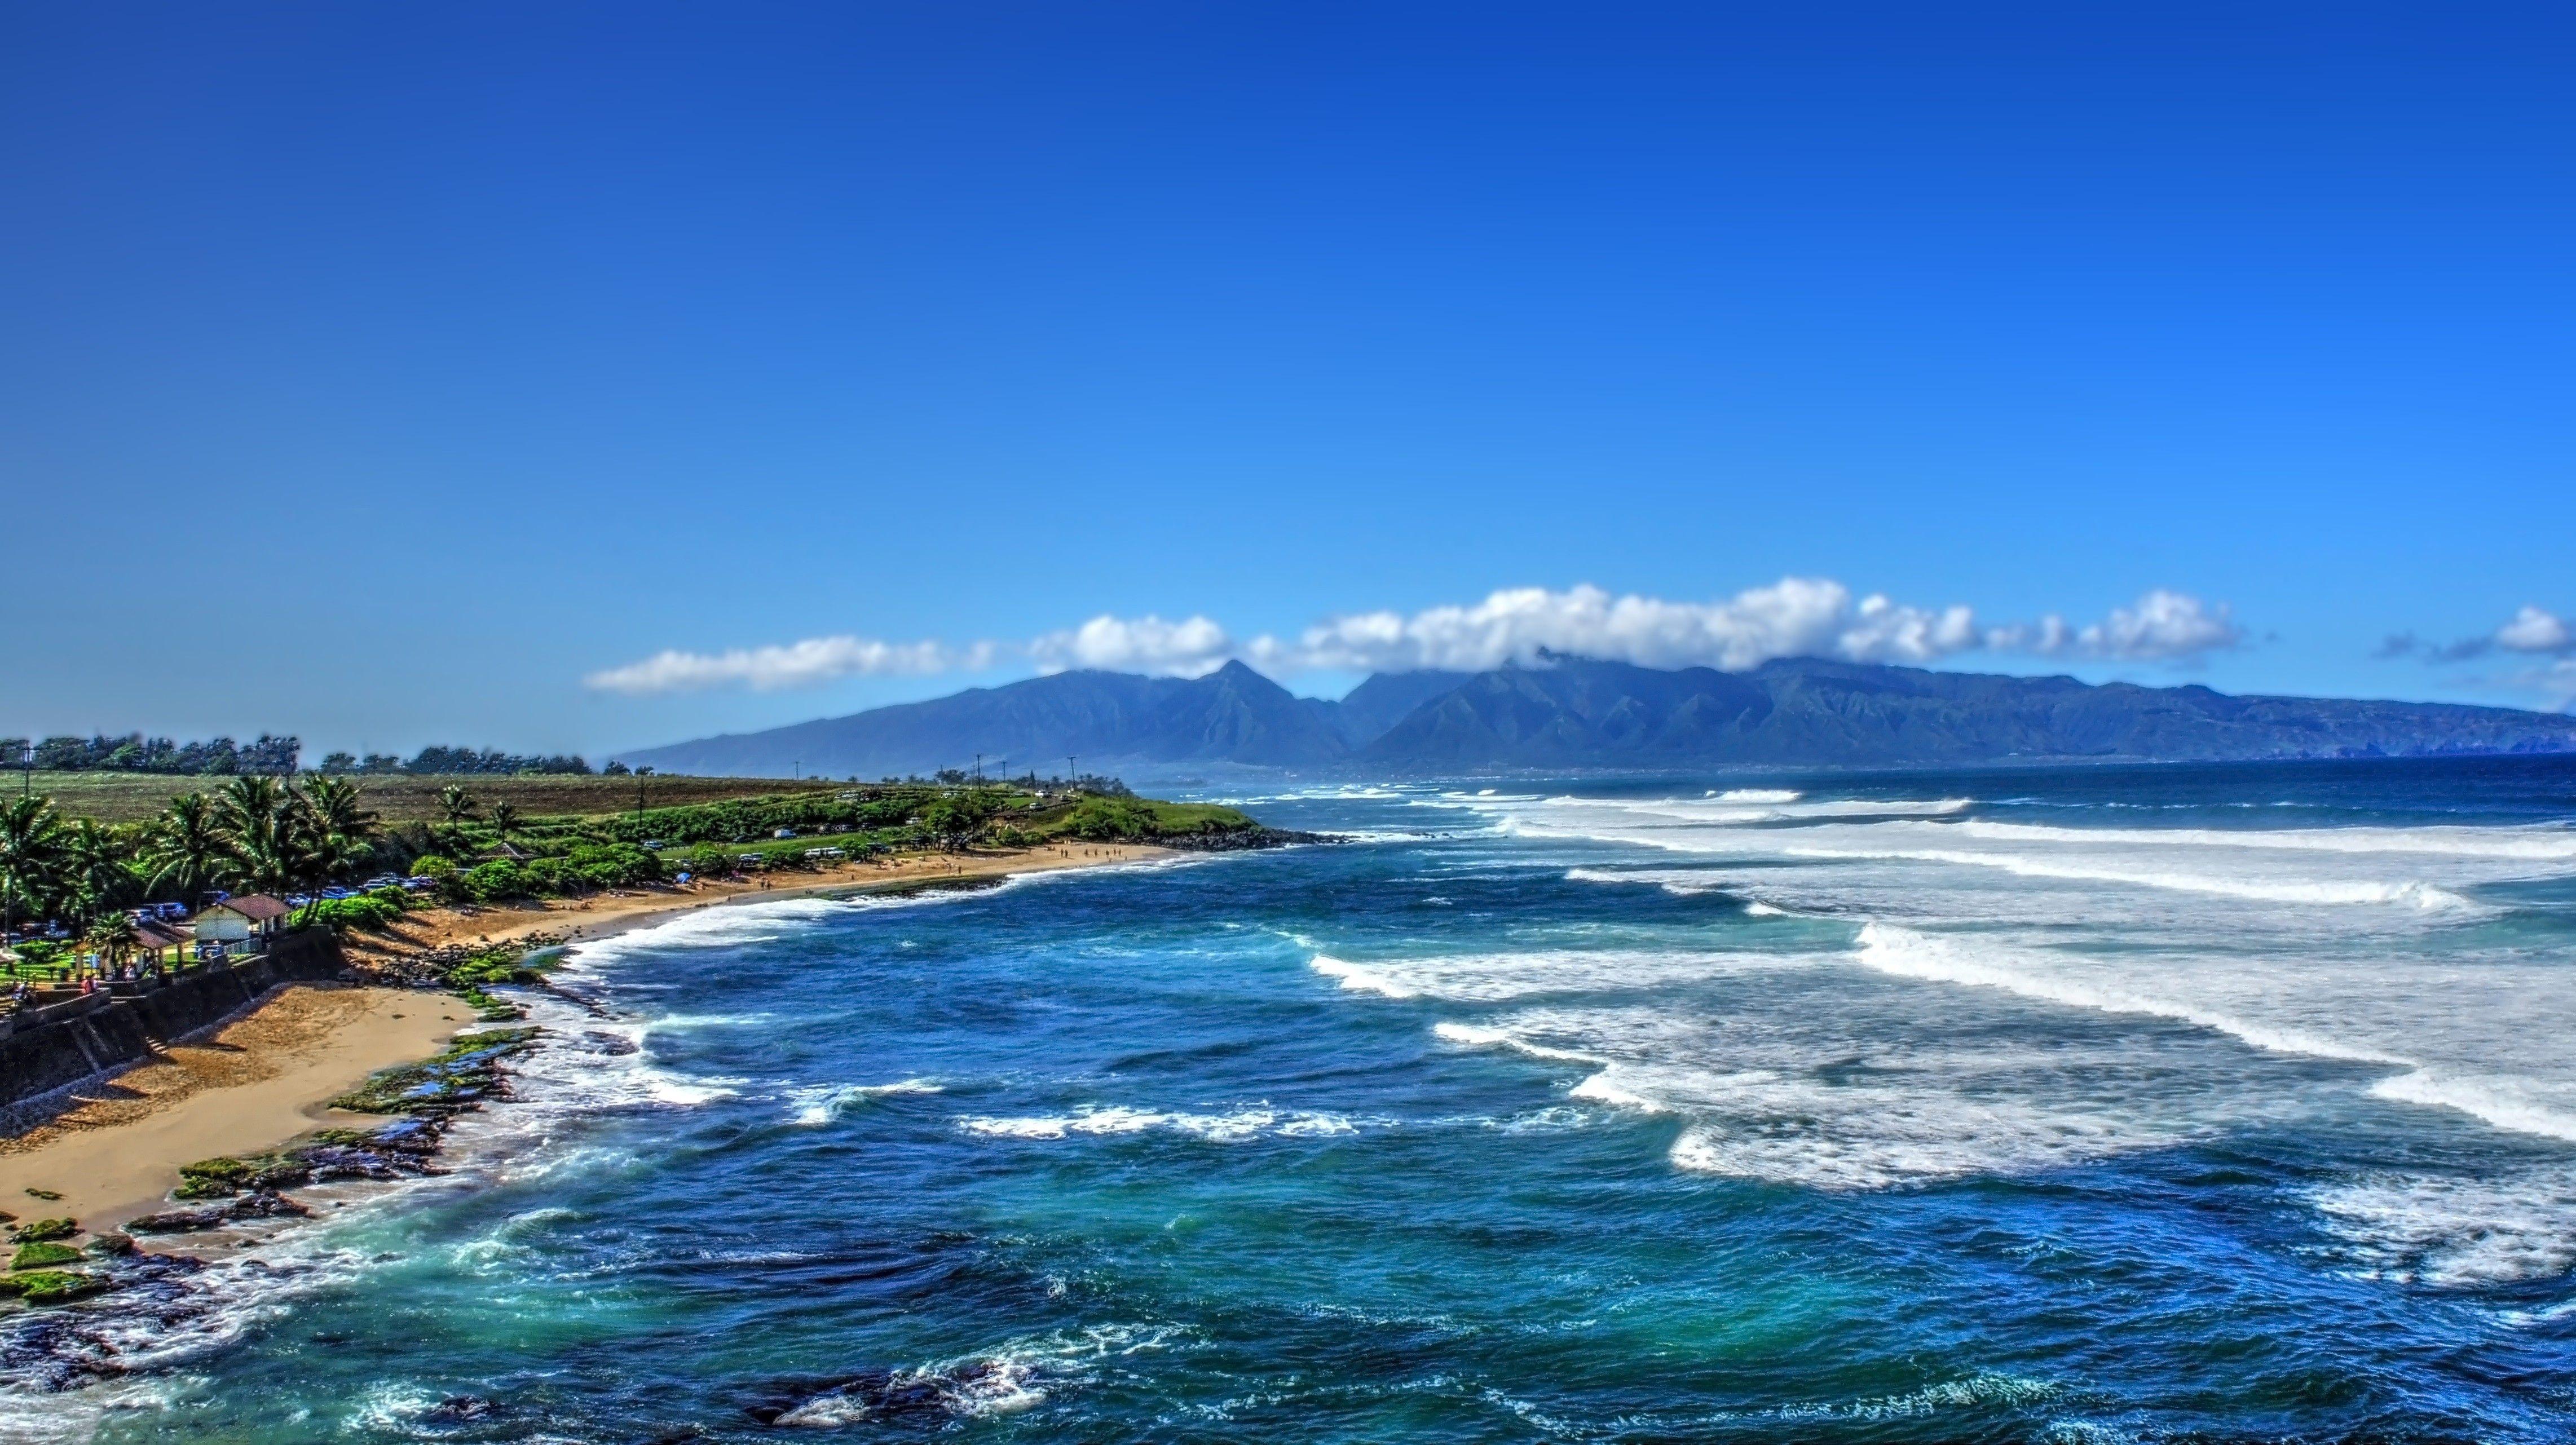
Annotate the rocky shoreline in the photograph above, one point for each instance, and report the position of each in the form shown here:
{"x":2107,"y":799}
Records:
{"x":62,"y":1349}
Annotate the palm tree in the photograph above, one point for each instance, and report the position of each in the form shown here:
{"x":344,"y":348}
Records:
{"x":113,"y":936}
{"x":96,"y":878}
{"x":336,"y":827}
{"x":31,"y":855}
{"x":246,"y":800}
{"x":186,"y":853}
{"x":334,"y":803}
{"x":505,"y":821}
{"x":457,"y":804}
{"x":277,"y":851}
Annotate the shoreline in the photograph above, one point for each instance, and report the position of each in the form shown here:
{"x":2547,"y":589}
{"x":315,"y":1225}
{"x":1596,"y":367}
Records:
{"x":256,"y":1081}
{"x":113,"y":1146}
{"x":625,"y":911}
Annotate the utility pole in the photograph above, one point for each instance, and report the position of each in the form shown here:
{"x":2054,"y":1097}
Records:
{"x":979,"y":767}
{"x":1070,"y":776}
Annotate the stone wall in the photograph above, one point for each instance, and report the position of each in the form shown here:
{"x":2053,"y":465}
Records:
{"x":77,"y":1040}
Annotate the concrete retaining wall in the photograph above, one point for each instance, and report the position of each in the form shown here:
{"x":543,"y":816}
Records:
{"x":75,"y":1040}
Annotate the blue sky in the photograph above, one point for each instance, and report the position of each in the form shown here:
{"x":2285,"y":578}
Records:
{"x":401,"y":375}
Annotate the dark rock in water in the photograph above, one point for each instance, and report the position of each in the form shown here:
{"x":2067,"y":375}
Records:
{"x":612,"y":1045}
{"x":266,"y":1204}
{"x":457,"y":1409}
{"x":177,"y":1221}
{"x":110,"y":1246}
{"x":885,"y":1397}
{"x":1242,"y":840}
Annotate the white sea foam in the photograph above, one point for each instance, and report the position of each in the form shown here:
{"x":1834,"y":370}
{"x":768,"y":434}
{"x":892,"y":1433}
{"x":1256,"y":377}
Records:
{"x":1234,"y":1127}
{"x":822,"y":1104}
{"x":2505,"y":1103}
{"x":1982,"y":963}
{"x":1357,"y":979}
{"x":2407,"y":894}
{"x":2455,"y":1232}
{"x":2535,"y":844}
{"x":1604,"y":1088}
{"x":1004,"y":1380}
{"x":1518,"y":973}
{"x":1755,"y":806}
{"x":1476,"y":1036}
{"x":1757,"y":795}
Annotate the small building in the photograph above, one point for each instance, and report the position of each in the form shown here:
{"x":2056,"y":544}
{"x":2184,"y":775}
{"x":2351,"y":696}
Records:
{"x":239,"y":920}
{"x":154,"y":939}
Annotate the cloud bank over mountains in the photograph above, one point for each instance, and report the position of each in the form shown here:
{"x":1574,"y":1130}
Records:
{"x":2543,"y":640}
{"x":1795,"y":617}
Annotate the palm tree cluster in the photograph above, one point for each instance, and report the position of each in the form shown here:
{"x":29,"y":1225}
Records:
{"x":258,"y":833}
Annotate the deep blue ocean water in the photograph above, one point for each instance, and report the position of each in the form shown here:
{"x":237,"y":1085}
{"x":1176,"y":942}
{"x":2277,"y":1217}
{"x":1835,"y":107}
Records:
{"x":2073,"y":1104}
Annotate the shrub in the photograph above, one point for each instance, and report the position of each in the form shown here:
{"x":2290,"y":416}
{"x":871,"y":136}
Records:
{"x":1103,"y":819}
{"x":499,"y":878}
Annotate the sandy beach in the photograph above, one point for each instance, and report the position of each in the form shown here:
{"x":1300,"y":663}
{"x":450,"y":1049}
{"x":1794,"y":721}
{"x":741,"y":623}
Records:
{"x":113,"y":1150}
{"x":258,"y":1082}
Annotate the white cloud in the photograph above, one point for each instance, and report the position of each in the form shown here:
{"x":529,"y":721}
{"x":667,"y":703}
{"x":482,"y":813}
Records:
{"x":796,"y":664}
{"x":1794,"y":617}
{"x":2161,"y":626}
{"x":1148,"y":644}
{"x":2533,"y":630}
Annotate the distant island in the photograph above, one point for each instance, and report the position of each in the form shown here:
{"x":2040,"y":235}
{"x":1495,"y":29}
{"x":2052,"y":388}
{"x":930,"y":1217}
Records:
{"x":1567,"y":713}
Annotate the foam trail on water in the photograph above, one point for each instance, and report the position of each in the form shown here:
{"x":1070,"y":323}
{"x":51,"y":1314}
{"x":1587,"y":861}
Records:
{"x":2548,"y":845}
{"x":1908,"y":954}
{"x":1357,"y":979}
{"x":1476,"y":1036}
{"x":2411,"y":894}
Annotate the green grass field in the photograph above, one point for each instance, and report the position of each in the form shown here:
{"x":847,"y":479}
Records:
{"x":405,"y":798}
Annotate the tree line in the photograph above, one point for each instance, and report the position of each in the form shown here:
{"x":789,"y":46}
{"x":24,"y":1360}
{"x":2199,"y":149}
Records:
{"x":270,"y":754}
{"x":135,"y":753}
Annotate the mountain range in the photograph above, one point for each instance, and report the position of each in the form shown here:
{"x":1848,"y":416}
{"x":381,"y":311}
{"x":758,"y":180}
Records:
{"x":1568,"y":713}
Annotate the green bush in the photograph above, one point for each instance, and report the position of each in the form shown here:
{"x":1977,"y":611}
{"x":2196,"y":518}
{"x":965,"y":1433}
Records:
{"x":1111,"y":819}
{"x":497,"y":879}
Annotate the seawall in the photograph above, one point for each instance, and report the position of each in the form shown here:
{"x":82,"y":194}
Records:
{"x":63,"y":1044}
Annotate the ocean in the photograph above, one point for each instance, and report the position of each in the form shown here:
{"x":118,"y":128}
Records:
{"x":2051,"y":1104}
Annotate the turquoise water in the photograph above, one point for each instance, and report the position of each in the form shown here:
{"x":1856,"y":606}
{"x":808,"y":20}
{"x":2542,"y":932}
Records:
{"x":2086,"y":1104}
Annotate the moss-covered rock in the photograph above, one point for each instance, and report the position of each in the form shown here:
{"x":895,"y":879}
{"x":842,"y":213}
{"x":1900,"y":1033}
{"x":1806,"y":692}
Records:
{"x":223,"y":1176}
{"x":47,"y":1287}
{"x":456,"y":1080}
{"x":43,"y":1254}
{"x":43,"y":1229}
